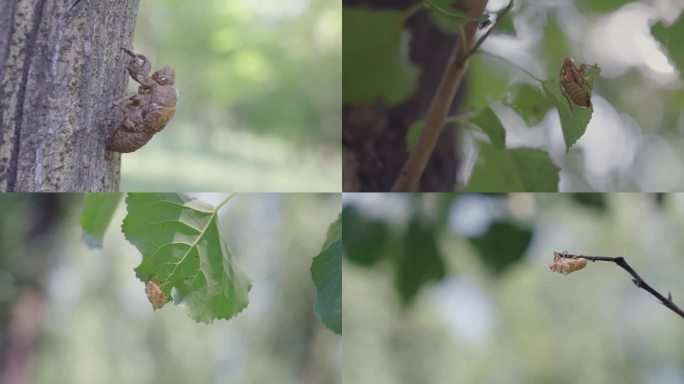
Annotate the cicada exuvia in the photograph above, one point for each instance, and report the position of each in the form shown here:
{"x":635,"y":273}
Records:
{"x":566,"y":265}
{"x":155,"y":294}
{"x":573,"y":83}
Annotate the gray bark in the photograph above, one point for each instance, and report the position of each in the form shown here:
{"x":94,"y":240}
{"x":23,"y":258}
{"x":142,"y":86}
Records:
{"x":62,"y":67}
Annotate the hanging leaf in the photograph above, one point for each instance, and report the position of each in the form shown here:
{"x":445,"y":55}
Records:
{"x":98,"y":209}
{"x":670,"y":38}
{"x":513,"y":170}
{"x":490,"y":124}
{"x":574,"y":119}
{"x":182,"y":248}
{"x":502,"y":245}
{"x":326,"y":272}
{"x":530,"y":103}
{"x":365,"y":238}
{"x":419,"y":260}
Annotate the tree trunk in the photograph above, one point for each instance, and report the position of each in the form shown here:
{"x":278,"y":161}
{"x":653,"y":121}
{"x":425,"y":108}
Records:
{"x":62,"y":66}
{"x":374,"y":135}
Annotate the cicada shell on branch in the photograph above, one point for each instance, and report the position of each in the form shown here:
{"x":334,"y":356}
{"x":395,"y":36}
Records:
{"x":155,"y":294}
{"x":566,"y":265}
{"x":574,"y":84}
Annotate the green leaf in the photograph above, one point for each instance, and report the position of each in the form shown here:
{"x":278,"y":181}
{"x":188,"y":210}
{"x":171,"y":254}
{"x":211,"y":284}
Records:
{"x":603,"y":6}
{"x":487,"y":81}
{"x":491,"y":125}
{"x":574,"y":119}
{"x":419,"y":261}
{"x":506,"y":26}
{"x":182,"y":248}
{"x":98,"y":209}
{"x":364,"y":238}
{"x":513,"y":170}
{"x":375,"y":64}
{"x":529,"y":101}
{"x":502,"y":245}
{"x":326,"y":272}
{"x":413,"y":134}
{"x":670,"y":38}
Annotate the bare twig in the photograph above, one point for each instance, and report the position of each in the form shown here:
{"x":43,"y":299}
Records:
{"x":638,"y":281}
{"x":413,"y":169}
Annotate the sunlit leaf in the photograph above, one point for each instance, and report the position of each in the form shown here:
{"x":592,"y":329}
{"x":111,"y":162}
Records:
{"x":530,"y":103}
{"x":513,"y":170}
{"x":574,"y":119}
{"x":326,"y":272}
{"x":98,"y":209}
{"x":182,"y":248}
{"x":487,"y":81}
{"x":670,"y":37}
{"x":491,"y":125}
{"x":375,"y":63}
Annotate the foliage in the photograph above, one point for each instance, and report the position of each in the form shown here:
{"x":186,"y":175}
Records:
{"x":493,"y":84}
{"x":185,"y":257}
{"x":326,"y":272}
{"x":413,"y":246}
{"x":182,"y":248}
{"x":98,"y":209}
{"x":375,"y":57}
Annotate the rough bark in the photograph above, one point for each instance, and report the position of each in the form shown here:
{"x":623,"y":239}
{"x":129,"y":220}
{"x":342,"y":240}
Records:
{"x":374,"y":135}
{"x":62,"y":67}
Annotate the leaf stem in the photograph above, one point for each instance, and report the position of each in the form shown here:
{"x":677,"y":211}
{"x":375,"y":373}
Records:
{"x":636,"y":279}
{"x":528,"y":73}
{"x":227,"y":199}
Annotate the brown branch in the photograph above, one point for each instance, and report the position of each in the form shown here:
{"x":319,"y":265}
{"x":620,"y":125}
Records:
{"x":636,"y":279}
{"x":413,"y":169}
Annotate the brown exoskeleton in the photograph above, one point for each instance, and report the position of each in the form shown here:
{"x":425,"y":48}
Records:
{"x":574,"y":84}
{"x":149,"y":110}
{"x":566,"y":265}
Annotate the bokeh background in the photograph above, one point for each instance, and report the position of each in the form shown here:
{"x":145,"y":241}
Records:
{"x":468,"y":296}
{"x":69,"y":314}
{"x":260,"y":96}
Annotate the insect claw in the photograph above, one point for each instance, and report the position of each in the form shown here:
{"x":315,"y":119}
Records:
{"x":128,"y":51}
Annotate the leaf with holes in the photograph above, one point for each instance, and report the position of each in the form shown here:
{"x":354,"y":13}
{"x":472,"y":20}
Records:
{"x":326,"y":272}
{"x":182,"y":248}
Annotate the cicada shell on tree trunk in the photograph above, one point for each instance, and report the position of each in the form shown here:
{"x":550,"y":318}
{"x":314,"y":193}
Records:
{"x":148,"y":111}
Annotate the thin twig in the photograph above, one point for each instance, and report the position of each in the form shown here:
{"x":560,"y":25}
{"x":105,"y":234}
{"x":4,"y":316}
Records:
{"x":413,"y":169}
{"x":636,"y":279}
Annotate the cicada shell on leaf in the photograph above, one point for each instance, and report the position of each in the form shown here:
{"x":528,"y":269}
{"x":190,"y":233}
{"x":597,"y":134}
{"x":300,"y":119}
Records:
{"x":574,"y":84}
{"x":155,"y":294}
{"x":567,"y":265}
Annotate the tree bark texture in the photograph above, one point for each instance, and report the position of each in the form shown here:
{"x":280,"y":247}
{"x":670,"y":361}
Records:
{"x":62,"y":66}
{"x":374,"y":148}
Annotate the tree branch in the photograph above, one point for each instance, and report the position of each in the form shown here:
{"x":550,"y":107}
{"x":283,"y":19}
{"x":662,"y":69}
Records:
{"x":636,"y":279}
{"x":413,"y":169}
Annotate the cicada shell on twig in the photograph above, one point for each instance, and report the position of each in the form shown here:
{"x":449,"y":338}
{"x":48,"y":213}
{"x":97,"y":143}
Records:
{"x":574,"y":84}
{"x":155,"y":294}
{"x":567,"y":265}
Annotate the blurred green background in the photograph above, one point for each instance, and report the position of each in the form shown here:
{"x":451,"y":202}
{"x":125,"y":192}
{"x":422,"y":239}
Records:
{"x":260,"y":96}
{"x":456,"y":289}
{"x":81,"y":315}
